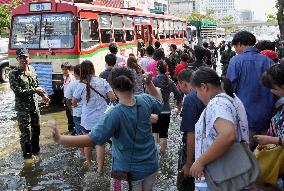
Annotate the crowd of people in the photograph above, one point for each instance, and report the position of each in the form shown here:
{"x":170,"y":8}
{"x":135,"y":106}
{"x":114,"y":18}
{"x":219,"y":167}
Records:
{"x":128,"y":107}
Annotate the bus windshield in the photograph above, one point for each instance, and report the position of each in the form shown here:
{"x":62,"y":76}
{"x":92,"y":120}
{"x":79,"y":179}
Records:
{"x":42,"y":31}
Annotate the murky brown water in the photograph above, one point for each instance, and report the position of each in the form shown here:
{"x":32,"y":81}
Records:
{"x":61,"y":168}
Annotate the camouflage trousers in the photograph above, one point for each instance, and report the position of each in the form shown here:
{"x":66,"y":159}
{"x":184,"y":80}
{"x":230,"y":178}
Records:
{"x":29,"y":139}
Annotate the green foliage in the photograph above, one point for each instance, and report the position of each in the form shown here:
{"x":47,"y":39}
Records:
{"x":197,"y":16}
{"x":271,"y":17}
{"x":5,"y":18}
{"x":210,"y":12}
{"x":5,"y":15}
{"x":226,"y":19}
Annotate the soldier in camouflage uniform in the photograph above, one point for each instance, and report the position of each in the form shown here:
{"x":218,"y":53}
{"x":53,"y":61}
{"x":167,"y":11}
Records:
{"x":23,"y":82}
{"x":226,"y":57}
{"x":173,"y":60}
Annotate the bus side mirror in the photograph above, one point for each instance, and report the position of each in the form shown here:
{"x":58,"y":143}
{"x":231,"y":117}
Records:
{"x":74,"y":28}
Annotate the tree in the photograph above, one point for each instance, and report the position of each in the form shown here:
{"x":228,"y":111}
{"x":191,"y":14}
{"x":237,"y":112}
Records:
{"x":197,"y":16}
{"x":271,"y":18}
{"x":280,"y":16}
{"x":5,"y":15}
{"x":227,"y":19}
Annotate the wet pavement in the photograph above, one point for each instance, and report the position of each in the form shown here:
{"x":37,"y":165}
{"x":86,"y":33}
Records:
{"x":61,"y":168}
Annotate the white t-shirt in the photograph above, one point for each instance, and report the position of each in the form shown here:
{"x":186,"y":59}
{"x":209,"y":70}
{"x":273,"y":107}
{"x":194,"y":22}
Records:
{"x":94,"y":109}
{"x":220,"y":107}
{"x":69,"y":94}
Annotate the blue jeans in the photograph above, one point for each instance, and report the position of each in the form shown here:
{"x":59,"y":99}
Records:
{"x":78,"y":128}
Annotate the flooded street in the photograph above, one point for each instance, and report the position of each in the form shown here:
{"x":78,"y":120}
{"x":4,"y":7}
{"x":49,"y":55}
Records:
{"x":8,"y":134}
{"x":61,"y":168}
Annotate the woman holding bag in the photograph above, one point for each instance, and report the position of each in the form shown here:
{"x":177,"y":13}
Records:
{"x":273,"y":79}
{"x":222,"y":123}
{"x":272,"y":160}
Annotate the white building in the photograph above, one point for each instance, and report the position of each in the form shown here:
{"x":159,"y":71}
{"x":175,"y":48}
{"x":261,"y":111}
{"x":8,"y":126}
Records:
{"x":244,"y":16}
{"x":181,"y":7}
{"x":146,"y":5}
{"x":221,"y":8}
{"x":221,"y":4}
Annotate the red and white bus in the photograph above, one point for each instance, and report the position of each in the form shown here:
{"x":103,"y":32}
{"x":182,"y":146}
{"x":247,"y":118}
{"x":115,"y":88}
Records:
{"x":56,"y":32}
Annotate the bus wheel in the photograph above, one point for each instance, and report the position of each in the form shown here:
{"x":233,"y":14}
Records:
{"x":4,"y":73}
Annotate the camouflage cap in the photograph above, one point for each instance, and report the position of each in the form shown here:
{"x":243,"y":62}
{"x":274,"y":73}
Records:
{"x":22,"y":53}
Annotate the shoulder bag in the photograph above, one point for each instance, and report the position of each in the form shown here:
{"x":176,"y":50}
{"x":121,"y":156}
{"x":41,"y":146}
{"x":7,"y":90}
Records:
{"x":271,"y":157}
{"x":235,"y":169}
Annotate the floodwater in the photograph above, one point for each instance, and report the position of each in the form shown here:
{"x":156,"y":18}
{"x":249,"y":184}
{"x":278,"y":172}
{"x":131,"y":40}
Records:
{"x":61,"y":168}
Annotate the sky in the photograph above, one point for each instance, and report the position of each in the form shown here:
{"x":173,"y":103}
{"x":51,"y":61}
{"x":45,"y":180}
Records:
{"x":259,"y":7}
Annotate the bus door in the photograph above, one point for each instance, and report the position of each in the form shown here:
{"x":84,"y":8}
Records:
{"x":146,"y":34}
{"x":143,"y":31}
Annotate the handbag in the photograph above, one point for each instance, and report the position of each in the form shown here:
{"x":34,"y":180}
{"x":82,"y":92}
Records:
{"x":271,"y":157}
{"x":235,"y":169}
{"x":271,"y":163}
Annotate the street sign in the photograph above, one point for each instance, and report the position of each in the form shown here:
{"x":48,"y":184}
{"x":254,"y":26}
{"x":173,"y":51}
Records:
{"x":155,"y":10}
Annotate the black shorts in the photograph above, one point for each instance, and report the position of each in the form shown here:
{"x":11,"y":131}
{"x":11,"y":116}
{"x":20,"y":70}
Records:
{"x":162,"y":126}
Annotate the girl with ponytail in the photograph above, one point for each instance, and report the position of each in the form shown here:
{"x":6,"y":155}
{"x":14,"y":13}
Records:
{"x":135,"y":67}
{"x":93,"y":107}
{"x":222,"y":122}
{"x":134,"y":153}
{"x":167,"y":86}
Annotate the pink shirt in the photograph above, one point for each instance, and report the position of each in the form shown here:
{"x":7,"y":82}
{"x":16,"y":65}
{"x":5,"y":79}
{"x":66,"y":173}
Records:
{"x":67,"y":81}
{"x":152,"y":67}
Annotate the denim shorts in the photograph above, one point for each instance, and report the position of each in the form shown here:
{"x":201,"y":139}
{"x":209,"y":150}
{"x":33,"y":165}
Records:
{"x":78,"y":128}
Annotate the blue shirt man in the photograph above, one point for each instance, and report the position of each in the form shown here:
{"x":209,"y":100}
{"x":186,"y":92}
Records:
{"x":245,"y":71}
{"x":191,"y":111}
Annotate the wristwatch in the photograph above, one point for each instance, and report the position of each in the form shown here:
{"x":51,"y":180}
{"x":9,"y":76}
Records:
{"x":280,"y":141}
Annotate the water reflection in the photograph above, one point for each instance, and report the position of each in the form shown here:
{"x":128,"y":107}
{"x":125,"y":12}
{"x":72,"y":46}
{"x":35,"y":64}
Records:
{"x":61,"y":168}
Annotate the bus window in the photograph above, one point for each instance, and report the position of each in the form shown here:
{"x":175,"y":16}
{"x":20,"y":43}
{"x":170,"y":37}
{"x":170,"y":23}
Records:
{"x":118,"y":28}
{"x":128,"y":27}
{"x":184,"y":29}
{"x":129,"y":35}
{"x":105,"y":28}
{"x":56,"y":31}
{"x":180,"y":30}
{"x":184,"y":34}
{"x":161,"y":29}
{"x":155,"y":27}
{"x":171,"y":24}
{"x":25,"y":32}
{"x":176,"y":29}
{"x":89,"y":34}
{"x":167,"y":28}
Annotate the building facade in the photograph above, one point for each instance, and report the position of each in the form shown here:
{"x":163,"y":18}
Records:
{"x":221,"y":8}
{"x":244,"y":16}
{"x":146,"y":5}
{"x":182,"y":8}
{"x":221,"y":4}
